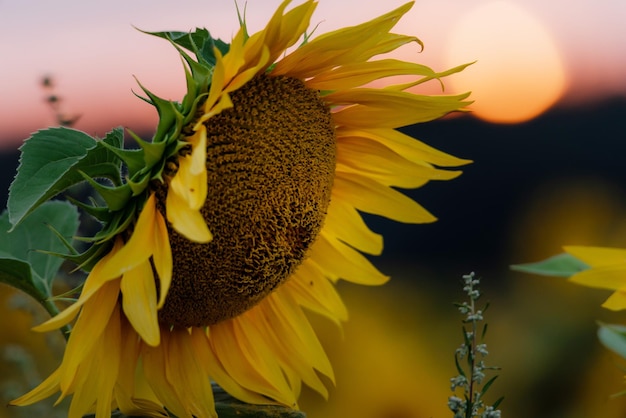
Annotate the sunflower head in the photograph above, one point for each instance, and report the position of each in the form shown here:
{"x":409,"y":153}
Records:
{"x":270,"y":165}
{"x":241,"y":213}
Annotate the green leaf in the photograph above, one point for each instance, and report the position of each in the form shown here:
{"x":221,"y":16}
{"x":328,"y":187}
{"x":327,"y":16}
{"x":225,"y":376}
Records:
{"x":23,"y":265}
{"x":561,"y":265}
{"x":18,"y":274}
{"x":458,"y":366}
{"x":487,"y":385}
{"x":613,"y":337}
{"x":497,"y":403}
{"x":51,"y":162}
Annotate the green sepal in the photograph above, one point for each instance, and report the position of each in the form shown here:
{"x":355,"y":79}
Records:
{"x":200,"y":75}
{"x":191,"y":97}
{"x":132,"y":158}
{"x":200,"y":42}
{"x":138,"y":187}
{"x":105,"y":170}
{"x":167,"y":115}
{"x":63,"y":240}
{"x":194,"y":107}
{"x":115,"y":197}
{"x":242,"y":22}
{"x":51,"y":162}
{"x":152,"y":151}
{"x":118,"y":224}
{"x":561,"y":265}
{"x":88,"y":258}
{"x":101,"y":213}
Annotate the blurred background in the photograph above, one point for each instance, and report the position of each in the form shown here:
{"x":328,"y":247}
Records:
{"x":547,"y":137}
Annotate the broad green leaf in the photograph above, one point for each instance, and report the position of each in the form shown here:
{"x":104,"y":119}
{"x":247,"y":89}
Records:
{"x":561,"y":265}
{"x":613,"y":337}
{"x":25,"y":243}
{"x":18,"y":274}
{"x":52,"y":161}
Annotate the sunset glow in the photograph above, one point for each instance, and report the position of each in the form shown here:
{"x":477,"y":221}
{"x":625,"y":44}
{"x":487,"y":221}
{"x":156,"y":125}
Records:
{"x":518,"y":73}
{"x":529,"y":54}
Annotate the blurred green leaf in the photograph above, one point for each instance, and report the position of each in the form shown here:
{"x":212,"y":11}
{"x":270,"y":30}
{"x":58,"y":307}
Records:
{"x":52,"y":161}
{"x":487,"y":385}
{"x":613,"y":337}
{"x":23,"y":261}
{"x":561,"y":265}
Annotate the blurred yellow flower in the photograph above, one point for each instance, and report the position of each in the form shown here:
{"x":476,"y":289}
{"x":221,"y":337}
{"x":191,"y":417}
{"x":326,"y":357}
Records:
{"x":607,"y":271}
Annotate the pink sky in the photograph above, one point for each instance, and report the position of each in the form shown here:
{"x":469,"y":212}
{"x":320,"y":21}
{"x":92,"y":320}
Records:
{"x":93,"y":51}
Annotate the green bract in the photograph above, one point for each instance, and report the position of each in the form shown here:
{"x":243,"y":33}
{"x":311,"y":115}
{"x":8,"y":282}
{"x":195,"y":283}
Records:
{"x":55,"y":159}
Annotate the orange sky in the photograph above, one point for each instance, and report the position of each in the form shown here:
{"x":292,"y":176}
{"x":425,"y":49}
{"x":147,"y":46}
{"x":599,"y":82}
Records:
{"x":93,"y":51}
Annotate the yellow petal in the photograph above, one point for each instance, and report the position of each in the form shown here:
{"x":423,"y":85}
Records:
{"x":372,"y":197}
{"x":402,"y":144}
{"x":609,"y":277}
{"x":284,"y":29}
{"x":354,"y":75}
{"x":96,"y":383}
{"x":87,"y":331}
{"x":598,"y":256}
{"x":314,"y":291}
{"x":244,"y":77}
{"x":374,"y":160}
{"x":249,"y":364}
{"x":339,"y":47}
{"x":198,"y":152}
{"x":386,"y":108}
{"x":139,"y":247}
{"x":208,"y":360}
{"x":215,"y":91}
{"x":346,"y":224}
{"x":93,"y":283}
{"x":154,"y":366}
{"x":289,"y":352}
{"x":162,"y":258}
{"x":139,"y":302}
{"x":129,"y":355}
{"x":617,"y":301}
{"x":190,"y":188}
{"x":132,"y":392}
{"x":45,"y":389}
{"x":283,"y":313}
{"x":188,"y":377}
{"x":339,"y":261}
{"x":186,"y":221}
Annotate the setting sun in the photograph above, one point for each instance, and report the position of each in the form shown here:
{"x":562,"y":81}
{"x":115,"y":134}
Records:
{"x":518,"y":73}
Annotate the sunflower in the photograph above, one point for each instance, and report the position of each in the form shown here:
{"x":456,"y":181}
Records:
{"x":606,"y":271}
{"x":241,"y":214}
